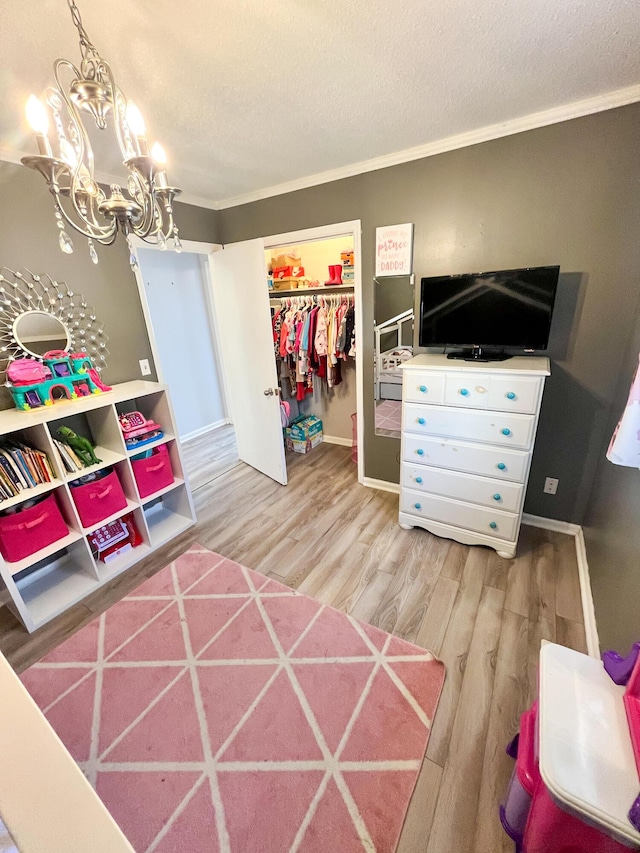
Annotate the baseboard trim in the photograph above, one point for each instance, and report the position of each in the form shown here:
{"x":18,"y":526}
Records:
{"x":335,"y":439}
{"x":588,"y":610}
{"x":381,"y":485}
{"x":551,"y":524}
{"x":203,"y":430}
{"x":586,"y":596}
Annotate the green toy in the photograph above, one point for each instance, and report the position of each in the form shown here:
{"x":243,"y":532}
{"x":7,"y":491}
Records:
{"x":81,"y":445}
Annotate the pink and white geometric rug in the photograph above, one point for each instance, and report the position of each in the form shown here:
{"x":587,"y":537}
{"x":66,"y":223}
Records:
{"x":215,"y":710}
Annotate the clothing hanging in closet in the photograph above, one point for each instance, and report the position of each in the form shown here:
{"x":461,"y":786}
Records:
{"x":312,"y":336}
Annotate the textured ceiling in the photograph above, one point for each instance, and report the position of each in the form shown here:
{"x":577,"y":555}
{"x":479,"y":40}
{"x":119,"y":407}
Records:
{"x":249,"y":94}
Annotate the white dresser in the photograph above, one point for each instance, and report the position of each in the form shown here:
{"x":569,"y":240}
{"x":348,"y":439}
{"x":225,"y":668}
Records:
{"x":467,"y":439}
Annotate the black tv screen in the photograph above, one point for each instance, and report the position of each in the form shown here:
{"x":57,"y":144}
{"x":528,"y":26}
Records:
{"x":508,"y":308}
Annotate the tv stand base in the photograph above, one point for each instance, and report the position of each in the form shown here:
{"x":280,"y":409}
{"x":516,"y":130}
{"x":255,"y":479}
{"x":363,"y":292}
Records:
{"x":479,"y":354}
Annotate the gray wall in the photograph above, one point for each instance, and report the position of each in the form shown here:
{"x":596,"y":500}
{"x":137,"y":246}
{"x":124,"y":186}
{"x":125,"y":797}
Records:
{"x":566,"y":194}
{"x":29,"y":238}
{"x":612,"y":530}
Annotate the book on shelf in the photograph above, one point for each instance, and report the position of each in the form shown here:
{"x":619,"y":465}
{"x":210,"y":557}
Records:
{"x":70,"y":460}
{"x":22,"y":468}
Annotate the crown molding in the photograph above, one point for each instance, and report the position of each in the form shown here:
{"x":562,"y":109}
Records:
{"x":555,"y":115}
{"x":544,"y":118}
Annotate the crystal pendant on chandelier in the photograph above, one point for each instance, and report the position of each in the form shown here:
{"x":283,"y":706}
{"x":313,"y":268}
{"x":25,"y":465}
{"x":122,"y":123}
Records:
{"x":133,"y":261}
{"x":65,"y":157}
{"x":177,"y":245}
{"x":65,"y":242}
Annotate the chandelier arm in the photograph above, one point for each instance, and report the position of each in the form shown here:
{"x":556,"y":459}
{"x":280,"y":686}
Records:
{"x":106,"y":235}
{"x":123,"y":134}
{"x":85,"y":151}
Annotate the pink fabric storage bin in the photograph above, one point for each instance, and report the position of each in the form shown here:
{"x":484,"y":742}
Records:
{"x":154,"y":472}
{"x":98,"y":500}
{"x":24,"y":532}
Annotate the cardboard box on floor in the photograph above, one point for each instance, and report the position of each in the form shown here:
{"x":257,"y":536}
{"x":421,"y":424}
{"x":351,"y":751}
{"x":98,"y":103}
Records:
{"x":304,"y":434}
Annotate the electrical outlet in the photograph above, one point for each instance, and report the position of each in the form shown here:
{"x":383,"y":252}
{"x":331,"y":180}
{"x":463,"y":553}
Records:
{"x":145,"y":370}
{"x":550,"y":486}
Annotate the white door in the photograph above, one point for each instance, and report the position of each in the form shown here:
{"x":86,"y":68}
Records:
{"x":176,"y":291}
{"x":241,"y":302}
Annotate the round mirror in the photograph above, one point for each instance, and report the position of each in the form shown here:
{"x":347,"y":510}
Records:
{"x":38,"y":332}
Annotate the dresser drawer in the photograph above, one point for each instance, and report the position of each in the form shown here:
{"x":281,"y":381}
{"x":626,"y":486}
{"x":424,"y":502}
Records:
{"x":519,"y":394}
{"x":493,"y":427}
{"x":470,"y":390}
{"x":502,"y":393}
{"x":502,"y":525}
{"x":423,"y":386}
{"x":465,"y":487}
{"x":501,"y":463}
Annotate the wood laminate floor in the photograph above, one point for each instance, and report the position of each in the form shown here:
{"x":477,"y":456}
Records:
{"x":341,"y":543}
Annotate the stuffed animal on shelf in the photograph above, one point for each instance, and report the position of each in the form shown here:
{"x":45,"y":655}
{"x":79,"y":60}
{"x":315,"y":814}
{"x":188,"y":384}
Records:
{"x":81,"y":445}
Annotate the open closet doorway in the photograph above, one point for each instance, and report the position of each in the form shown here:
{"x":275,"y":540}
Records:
{"x":175,"y":293}
{"x":273,"y":294}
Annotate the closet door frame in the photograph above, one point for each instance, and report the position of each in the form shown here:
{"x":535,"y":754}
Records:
{"x":351,"y":229}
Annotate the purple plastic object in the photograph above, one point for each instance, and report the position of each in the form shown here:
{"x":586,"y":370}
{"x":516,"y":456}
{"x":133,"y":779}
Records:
{"x":620,"y":668}
{"x":515,"y":836}
{"x":634,"y":813}
{"x":512,"y":747}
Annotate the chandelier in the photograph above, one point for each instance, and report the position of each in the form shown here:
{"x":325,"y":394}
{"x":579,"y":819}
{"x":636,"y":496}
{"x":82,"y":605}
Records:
{"x":65,"y":157}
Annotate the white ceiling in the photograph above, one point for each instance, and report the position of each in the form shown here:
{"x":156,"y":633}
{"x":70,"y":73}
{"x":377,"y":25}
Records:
{"x":251,"y":94}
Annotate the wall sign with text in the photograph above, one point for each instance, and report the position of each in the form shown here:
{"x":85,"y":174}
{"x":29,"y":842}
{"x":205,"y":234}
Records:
{"x":394,"y":250}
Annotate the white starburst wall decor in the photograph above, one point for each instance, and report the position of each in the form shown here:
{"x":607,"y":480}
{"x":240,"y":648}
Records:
{"x":24,"y":293}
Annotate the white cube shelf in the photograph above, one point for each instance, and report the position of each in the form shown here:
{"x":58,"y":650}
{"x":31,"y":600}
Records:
{"x":47,"y":583}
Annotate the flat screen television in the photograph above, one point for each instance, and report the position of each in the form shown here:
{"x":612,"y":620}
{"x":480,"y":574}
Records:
{"x":488,"y":311}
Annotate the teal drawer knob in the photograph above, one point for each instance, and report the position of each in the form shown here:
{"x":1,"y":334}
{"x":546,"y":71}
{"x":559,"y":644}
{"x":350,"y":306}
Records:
{"x":501,"y":466}
{"x":464,"y":392}
{"x":511,"y":395}
{"x":497,"y":497}
{"x":506,"y":431}
{"x":418,"y":506}
{"x":420,"y":451}
{"x":418,"y":479}
{"x":493,"y":525}
{"x":421,"y":421}
{"x":423,"y":388}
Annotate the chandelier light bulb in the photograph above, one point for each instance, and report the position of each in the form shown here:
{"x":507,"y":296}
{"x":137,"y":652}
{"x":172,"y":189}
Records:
{"x":136,"y":123}
{"x":37,"y":116}
{"x":160,"y":159}
{"x":158,"y":154}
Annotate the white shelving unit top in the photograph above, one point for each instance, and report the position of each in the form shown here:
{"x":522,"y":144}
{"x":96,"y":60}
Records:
{"x":12,"y":420}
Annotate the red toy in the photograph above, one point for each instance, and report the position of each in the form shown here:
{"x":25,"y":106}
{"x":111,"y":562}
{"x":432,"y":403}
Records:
{"x":115,"y":538}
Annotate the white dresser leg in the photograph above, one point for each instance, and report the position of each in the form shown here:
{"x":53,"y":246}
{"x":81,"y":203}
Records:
{"x":406,"y":526}
{"x":507,"y":555}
